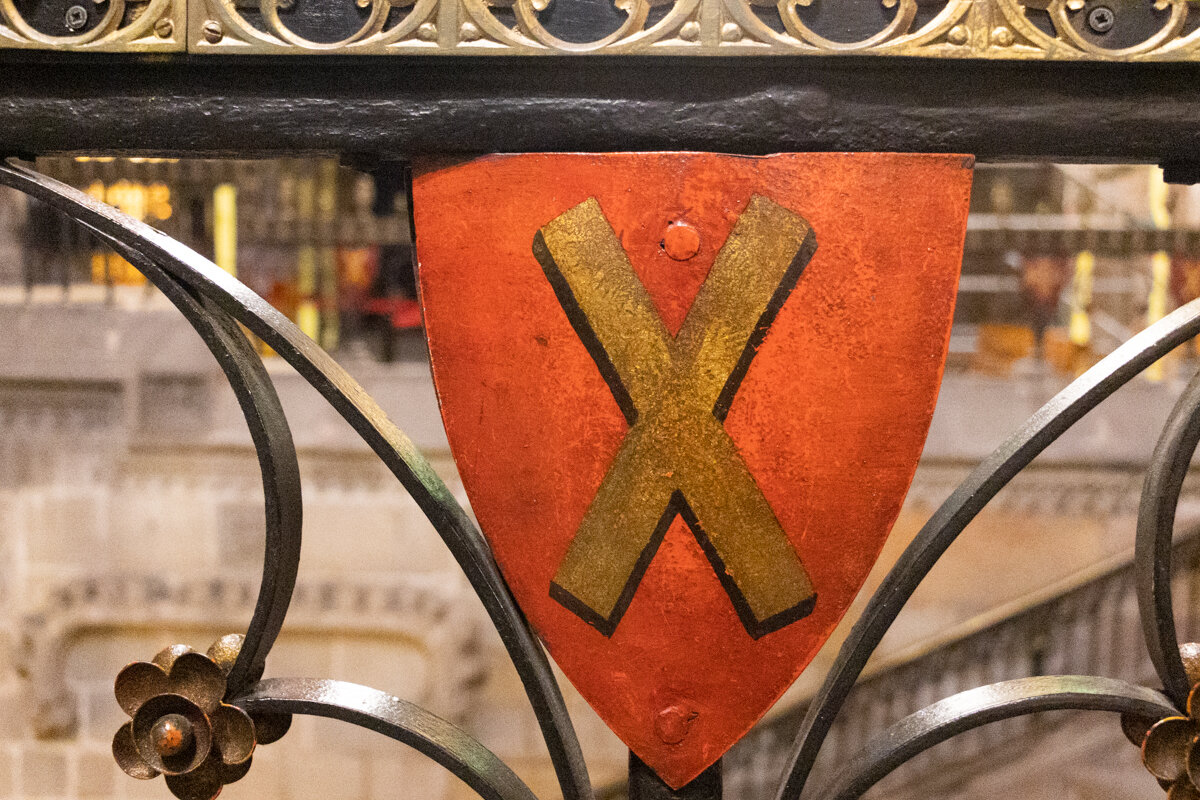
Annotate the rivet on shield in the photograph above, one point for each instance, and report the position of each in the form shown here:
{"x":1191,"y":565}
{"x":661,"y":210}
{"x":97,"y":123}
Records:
{"x":674,"y":722}
{"x":681,"y":241}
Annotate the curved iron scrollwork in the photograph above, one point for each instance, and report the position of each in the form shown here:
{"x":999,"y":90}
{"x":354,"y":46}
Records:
{"x":215,"y":304}
{"x":1044,"y":427}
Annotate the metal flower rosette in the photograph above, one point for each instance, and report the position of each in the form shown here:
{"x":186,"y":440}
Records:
{"x":180,"y":726}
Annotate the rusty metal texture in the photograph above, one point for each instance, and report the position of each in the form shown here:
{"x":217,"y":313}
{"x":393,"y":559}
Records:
{"x":1171,"y":750}
{"x":180,"y":726}
{"x":441,"y":741}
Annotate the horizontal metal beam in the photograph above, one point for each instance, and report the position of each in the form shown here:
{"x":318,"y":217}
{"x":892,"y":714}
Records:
{"x":401,"y":107}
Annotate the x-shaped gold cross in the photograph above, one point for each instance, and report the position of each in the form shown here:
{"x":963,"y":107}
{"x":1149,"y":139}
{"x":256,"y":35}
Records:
{"x":675,"y":392}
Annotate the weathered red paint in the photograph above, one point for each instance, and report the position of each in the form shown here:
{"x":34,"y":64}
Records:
{"x":830,"y":418}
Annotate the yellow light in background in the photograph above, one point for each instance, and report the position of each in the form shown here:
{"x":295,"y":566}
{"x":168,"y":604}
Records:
{"x":138,"y":201}
{"x":329,"y":299}
{"x":225,"y":227}
{"x":128,"y":196}
{"x":158,"y":201}
{"x":308,"y":319}
{"x":133,"y":160}
{"x":1160,"y":266}
{"x":112,"y":268}
{"x":1080,"y":329}
{"x":308,"y":315}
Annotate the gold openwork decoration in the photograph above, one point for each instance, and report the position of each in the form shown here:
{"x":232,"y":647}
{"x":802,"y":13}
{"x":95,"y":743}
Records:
{"x":1055,"y":30}
{"x":105,"y":26}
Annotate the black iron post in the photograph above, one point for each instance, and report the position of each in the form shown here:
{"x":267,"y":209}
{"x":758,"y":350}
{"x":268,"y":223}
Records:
{"x":645,"y":785}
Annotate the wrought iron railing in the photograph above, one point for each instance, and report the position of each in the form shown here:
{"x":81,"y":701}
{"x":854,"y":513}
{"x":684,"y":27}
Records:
{"x":1090,"y":627}
{"x":217,"y":305}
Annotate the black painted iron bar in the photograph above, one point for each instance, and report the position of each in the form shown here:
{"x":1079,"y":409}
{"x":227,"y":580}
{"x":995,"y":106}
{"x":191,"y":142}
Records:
{"x":976,"y":707}
{"x":1155,"y":530}
{"x":346,"y":396}
{"x":276,"y":452}
{"x":644,"y":783}
{"x":398,"y":107}
{"x":433,"y":736}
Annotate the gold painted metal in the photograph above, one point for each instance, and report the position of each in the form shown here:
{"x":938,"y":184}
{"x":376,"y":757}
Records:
{"x":677,"y":458}
{"x":159,"y":26}
{"x":984,"y":29}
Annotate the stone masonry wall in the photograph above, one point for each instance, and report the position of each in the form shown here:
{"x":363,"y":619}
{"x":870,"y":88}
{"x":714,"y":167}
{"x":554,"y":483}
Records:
{"x":130,"y":518}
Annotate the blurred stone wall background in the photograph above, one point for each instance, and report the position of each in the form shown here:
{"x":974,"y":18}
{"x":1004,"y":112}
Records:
{"x":131,"y":518}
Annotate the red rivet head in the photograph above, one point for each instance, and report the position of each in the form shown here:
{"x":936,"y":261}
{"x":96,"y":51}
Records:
{"x":673,"y":723}
{"x":171,"y":735}
{"x":681,"y":241}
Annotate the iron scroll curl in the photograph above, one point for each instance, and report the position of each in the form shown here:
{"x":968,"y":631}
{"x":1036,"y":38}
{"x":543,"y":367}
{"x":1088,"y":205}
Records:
{"x":278,"y":464}
{"x":960,"y":713}
{"x":215,"y":303}
{"x":964,"y":504}
{"x":1156,"y":523}
{"x":462,"y":755}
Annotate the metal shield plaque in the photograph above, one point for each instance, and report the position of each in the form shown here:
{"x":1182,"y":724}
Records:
{"x":687,"y":394}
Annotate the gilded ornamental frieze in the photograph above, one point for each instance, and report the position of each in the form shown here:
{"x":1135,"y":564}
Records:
{"x":992,"y":29}
{"x":112,"y":26}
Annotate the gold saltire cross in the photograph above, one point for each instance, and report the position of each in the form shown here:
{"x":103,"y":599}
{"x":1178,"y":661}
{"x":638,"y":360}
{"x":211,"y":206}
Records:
{"x":675,"y":392}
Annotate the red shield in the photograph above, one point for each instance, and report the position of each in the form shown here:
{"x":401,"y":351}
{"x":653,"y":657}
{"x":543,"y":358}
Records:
{"x":687,"y":394}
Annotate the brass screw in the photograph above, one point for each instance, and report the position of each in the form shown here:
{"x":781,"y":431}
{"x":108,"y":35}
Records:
{"x":164,"y":28}
{"x":362,"y":3}
{"x":213,"y":32}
